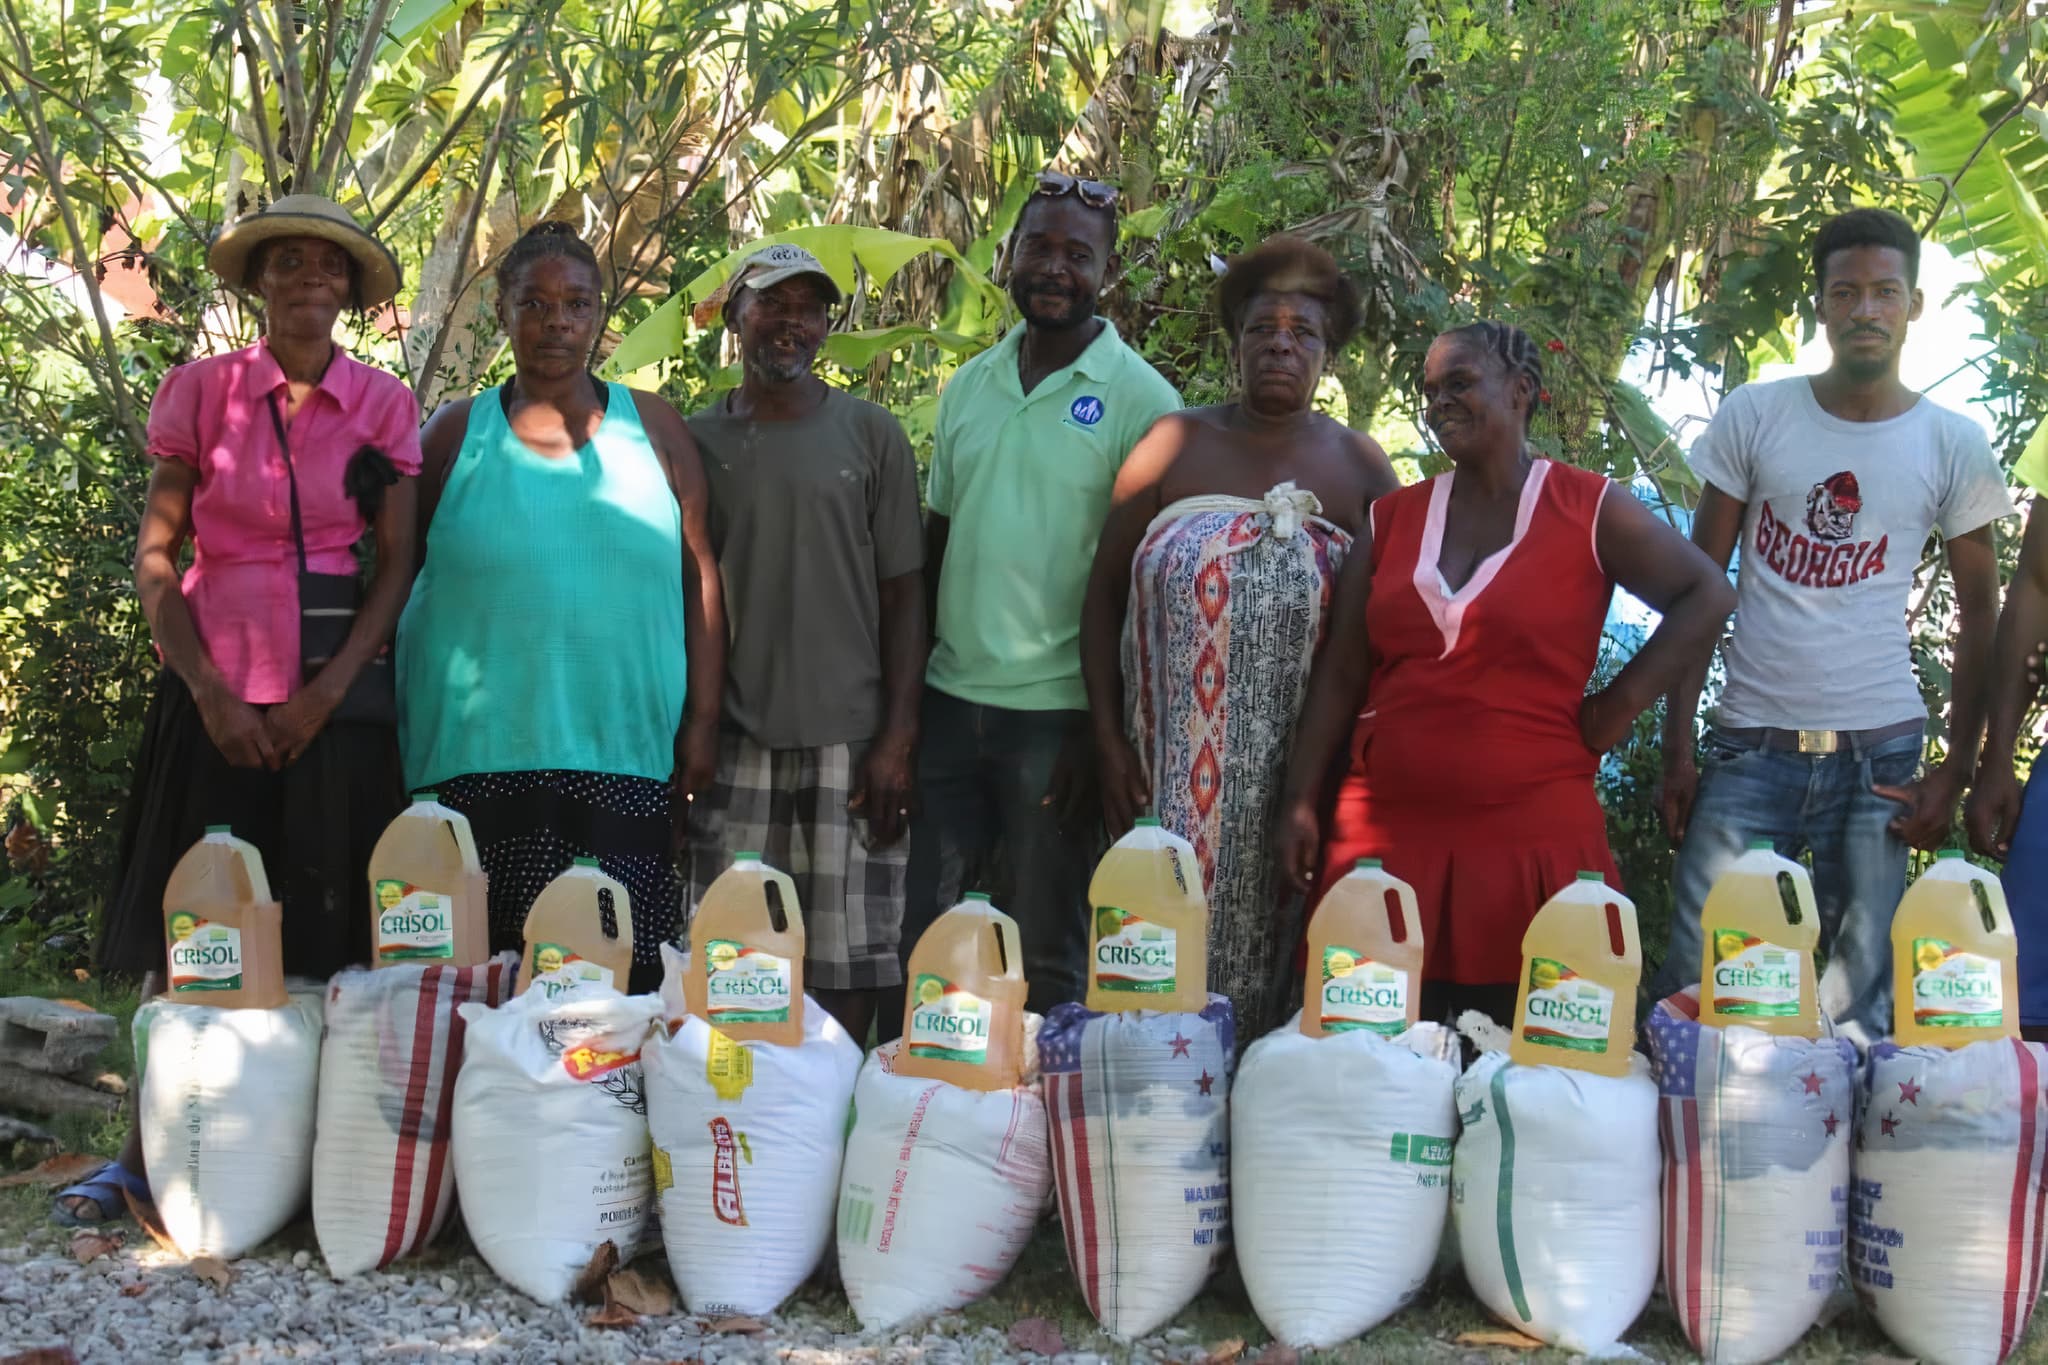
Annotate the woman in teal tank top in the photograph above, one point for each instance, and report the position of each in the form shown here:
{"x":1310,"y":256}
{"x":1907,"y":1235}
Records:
{"x":560,"y":659}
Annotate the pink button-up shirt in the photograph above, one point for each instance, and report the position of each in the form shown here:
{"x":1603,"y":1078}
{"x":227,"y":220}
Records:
{"x":243,"y":588}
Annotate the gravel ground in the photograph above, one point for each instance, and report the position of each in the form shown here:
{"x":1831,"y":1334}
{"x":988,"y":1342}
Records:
{"x":142,"y":1303}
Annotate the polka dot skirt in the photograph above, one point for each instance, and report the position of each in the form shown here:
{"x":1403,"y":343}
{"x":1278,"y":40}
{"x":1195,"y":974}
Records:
{"x":530,"y":825}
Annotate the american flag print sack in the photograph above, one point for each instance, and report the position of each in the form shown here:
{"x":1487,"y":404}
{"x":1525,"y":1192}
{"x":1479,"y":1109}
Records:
{"x":382,"y":1184}
{"x":1756,"y":1132}
{"x":1946,"y":1213}
{"x":1138,"y":1104}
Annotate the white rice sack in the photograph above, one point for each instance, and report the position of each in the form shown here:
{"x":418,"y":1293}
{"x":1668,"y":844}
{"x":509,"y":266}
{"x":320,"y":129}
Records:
{"x":1756,"y":1179}
{"x":1555,"y":1197}
{"x":550,"y":1133}
{"x":940,"y":1191}
{"x":1340,"y":1175}
{"x":747,"y":1142}
{"x":225,"y":1113}
{"x":1138,"y":1104}
{"x":382,"y":1184}
{"x":1946,"y":1213}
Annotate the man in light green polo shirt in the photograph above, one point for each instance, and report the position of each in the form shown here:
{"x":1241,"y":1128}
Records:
{"x":1030,"y":436}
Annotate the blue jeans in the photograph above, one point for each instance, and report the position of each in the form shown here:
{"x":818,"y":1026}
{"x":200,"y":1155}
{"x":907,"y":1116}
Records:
{"x":1817,"y":803}
{"x":2026,"y":892}
{"x":983,"y":825}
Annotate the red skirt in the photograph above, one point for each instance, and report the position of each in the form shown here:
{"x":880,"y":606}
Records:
{"x":1481,"y":868}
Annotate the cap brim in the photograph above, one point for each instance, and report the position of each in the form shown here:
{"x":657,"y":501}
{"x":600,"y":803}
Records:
{"x":228,"y":257}
{"x":768,"y":279}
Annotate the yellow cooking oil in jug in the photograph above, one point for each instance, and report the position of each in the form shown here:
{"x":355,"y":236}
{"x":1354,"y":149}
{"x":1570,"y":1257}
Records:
{"x":1581,"y":961}
{"x":963,"y":1015}
{"x":429,"y":898}
{"x":222,"y":931}
{"x":1760,"y":930}
{"x":746,"y":976}
{"x":1149,"y":939}
{"x":1364,"y":956}
{"x":566,"y":942}
{"x":1955,"y":961}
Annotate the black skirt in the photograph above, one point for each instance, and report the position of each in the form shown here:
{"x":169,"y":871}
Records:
{"x":529,"y":826}
{"x":315,"y":823}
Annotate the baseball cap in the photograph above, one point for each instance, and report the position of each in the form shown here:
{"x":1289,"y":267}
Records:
{"x":771,"y":265}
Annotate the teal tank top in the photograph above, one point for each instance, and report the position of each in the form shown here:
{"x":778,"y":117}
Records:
{"x":545,"y":629}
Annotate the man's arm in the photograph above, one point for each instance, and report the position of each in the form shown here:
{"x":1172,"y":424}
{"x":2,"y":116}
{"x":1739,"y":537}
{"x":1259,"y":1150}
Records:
{"x":1930,"y":803}
{"x":1993,"y":810}
{"x":1716,"y":526}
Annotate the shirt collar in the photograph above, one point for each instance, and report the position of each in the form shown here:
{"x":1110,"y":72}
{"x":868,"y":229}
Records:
{"x":340,"y":382}
{"x":1099,"y":361}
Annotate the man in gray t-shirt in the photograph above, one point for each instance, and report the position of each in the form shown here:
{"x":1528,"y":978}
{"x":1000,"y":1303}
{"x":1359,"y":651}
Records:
{"x":1833,"y":484}
{"x":814,"y":519}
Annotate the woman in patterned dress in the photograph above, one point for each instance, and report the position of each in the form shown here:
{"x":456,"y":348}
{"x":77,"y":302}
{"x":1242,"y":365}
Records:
{"x":1206,"y":605}
{"x":1466,"y":626}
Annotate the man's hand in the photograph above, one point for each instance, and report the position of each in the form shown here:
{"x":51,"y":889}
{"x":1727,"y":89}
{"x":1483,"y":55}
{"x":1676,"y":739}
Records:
{"x":1930,"y":807}
{"x":1993,"y":811}
{"x":1300,"y":842}
{"x":696,"y":770}
{"x":1072,"y":792}
{"x":883,"y":792}
{"x":1124,"y":790}
{"x":1677,"y":789}
{"x":236,"y":728}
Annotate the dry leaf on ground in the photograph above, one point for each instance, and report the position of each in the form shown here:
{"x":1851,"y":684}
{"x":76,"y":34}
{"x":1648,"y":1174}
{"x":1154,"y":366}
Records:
{"x":42,"y":1355}
{"x":213,"y":1270}
{"x":743,"y":1326}
{"x":642,"y":1292}
{"x":1514,"y":1341}
{"x":1037,"y":1334}
{"x":1224,"y":1352}
{"x":1279,"y":1353}
{"x":58,"y":1171}
{"x":146,"y":1219}
{"x":613,"y":1314}
{"x":89,"y":1244}
{"x":589,"y":1286}
{"x":136,"y":1290}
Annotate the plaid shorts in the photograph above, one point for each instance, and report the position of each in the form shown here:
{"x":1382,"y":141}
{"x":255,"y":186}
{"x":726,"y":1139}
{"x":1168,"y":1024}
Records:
{"x":790,"y":805}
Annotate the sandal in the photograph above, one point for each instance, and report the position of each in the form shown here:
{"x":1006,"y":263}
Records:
{"x":103,"y":1188}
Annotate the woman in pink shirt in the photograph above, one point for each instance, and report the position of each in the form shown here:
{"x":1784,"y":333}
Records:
{"x":286,"y":443}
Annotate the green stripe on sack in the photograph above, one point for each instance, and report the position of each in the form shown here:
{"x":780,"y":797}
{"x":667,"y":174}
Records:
{"x":1504,"y":1204}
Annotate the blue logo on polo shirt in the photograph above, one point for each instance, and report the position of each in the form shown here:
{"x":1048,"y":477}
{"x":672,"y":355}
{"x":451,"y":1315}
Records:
{"x":1087,"y":410}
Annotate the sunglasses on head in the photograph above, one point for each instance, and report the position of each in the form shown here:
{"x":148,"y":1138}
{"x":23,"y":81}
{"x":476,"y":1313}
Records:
{"x":1093,"y":193}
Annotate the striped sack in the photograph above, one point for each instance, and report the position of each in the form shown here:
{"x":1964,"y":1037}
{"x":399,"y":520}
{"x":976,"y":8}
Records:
{"x":381,"y":1183}
{"x":1946,"y":1215}
{"x":1756,"y":1178}
{"x":1139,"y":1112}
{"x":1554,"y":1196}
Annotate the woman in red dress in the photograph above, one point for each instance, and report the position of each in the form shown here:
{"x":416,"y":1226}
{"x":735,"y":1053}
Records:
{"x":1466,"y":626}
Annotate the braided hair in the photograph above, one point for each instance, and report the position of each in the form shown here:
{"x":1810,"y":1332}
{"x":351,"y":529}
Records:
{"x":1516,"y":353}
{"x":549,"y":237}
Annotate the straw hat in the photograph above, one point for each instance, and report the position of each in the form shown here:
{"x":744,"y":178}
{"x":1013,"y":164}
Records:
{"x":305,"y":215}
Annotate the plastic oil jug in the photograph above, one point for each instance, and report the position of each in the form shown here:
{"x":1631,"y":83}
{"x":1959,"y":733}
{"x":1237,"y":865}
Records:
{"x":963,"y":1015}
{"x":566,"y":942}
{"x":1576,"y":1003}
{"x":1760,"y":930}
{"x":429,"y":898}
{"x":1364,"y":956}
{"x":1955,"y":961}
{"x":1150,"y":936}
{"x":222,"y":934}
{"x":746,"y":976}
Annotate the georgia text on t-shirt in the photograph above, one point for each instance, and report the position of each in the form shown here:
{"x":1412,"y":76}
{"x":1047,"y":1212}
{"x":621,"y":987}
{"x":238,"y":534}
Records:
{"x":1822,"y":560}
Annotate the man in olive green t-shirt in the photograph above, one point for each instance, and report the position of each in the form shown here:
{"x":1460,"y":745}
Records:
{"x":1030,"y":436}
{"x":813,"y":511}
